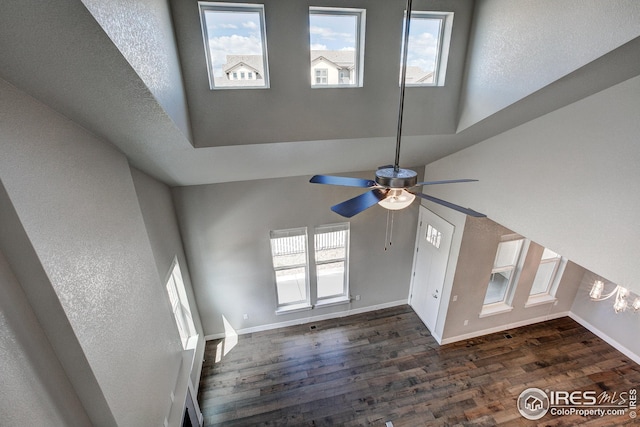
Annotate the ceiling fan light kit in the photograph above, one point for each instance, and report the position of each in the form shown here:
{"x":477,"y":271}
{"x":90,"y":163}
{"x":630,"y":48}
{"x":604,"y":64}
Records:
{"x":390,"y":188}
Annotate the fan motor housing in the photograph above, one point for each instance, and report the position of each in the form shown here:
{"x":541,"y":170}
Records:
{"x":392,"y":178}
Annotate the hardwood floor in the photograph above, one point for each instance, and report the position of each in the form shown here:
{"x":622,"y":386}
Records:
{"x":384,"y":366}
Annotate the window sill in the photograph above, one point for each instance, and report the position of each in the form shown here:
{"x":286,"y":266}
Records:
{"x":539,"y":300}
{"x":496,"y":308}
{"x":294,"y":308}
{"x":333,"y":301}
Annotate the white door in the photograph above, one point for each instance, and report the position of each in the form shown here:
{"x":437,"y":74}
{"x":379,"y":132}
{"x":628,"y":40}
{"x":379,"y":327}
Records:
{"x":433,"y":242}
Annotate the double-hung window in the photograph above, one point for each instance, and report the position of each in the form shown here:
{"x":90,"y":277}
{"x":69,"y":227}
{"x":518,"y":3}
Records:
{"x":336,"y":44}
{"x":290,"y":253}
{"x":331,"y":250}
{"x":547,"y":278}
{"x":291,"y":267}
{"x":428,"y":50}
{"x":180,"y":305}
{"x":503,"y":276}
{"x":235,"y":42}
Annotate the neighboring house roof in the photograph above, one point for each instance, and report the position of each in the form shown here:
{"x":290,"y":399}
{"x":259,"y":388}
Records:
{"x":251,"y":61}
{"x":342,"y":58}
{"x":418,"y":75}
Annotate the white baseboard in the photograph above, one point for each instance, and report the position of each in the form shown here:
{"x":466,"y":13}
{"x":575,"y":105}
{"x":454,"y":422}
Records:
{"x":606,"y":338}
{"x":311,"y":319}
{"x":501,"y":328}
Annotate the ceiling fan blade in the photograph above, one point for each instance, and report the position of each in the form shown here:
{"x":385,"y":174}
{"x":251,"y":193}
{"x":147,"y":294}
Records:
{"x":343,"y":180}
{"x":359,"y":203}
{"x":446,"y":181}
{"x":450,"y":205}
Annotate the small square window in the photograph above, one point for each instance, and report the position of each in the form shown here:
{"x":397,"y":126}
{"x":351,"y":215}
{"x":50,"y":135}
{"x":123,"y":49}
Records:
{"x":235,"y":42}
{"x":336,"y":43}
{"x":428,"y":50}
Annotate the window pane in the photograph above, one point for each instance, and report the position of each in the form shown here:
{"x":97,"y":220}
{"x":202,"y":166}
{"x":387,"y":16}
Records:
{"x":330,"y":279}
{"x":543,"y":278}
{"x":508,"y":253}
{"x":426,"y":48}
{"x":234,"y":36}
{"x":291,"y":285}
{"x":498,"y":285}
{"x":334,"y":46}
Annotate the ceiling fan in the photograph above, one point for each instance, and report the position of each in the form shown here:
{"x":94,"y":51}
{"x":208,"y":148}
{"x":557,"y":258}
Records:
{"x":390,"y":189}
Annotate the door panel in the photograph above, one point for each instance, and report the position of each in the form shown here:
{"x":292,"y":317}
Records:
{"x":433,"y":243}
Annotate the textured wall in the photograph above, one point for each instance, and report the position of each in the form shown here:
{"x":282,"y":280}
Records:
{"x":77,"y":203}
{"x":519,"y":47}
{"x":143,"y":32}
{"x":226,"y":227}
{"x":566,"y":180}
{"x":162,"y":227}
{"x":35,"y":390}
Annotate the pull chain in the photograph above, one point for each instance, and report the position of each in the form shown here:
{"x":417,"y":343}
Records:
{"x":389,"y":230}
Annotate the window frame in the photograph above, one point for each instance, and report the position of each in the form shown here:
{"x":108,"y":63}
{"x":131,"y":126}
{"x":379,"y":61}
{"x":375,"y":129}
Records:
{"x":204,"y":7}
{"x":443,"y":44}
{"x":360,"y":15}
{"x":324,"y":229}
{"x":302,"y":304}
{"x":548,"y":295}
{"x":179,"y":305}
{"x":505,"y":304}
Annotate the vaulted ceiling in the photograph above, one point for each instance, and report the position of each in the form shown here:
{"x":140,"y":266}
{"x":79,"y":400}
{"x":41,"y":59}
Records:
{"x":134,"y":73}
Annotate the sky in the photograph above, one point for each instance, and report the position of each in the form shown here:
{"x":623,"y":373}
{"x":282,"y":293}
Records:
{"x":239,"y":33}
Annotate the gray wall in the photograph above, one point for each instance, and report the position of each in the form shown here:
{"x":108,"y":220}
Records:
{"x":226,"y":227}
{"x":306,"y":114}
{"x":79,"y":247}
{"x":621,"y":329}
{"x":475,"y":261}
{"x":161,"y":223}
{"x":566,"y":180}
{"x":35,"y":389}
{"x":519,"y":47}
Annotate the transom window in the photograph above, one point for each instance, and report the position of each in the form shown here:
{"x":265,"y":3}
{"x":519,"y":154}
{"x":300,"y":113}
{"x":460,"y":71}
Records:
{"x":235,"y":43}
{"x":331,"y":249}
{"x":433,"y":236}
{"x":428,"y":50}
{"x":336,"y":43}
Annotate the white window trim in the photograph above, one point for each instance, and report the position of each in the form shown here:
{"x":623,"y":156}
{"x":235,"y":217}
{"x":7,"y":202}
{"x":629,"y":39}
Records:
{"x":550,"y":296}
{"x":360,"y":15}
{"x":234,"y":7}
{"x":344,"y":296}
{"x":506,"y":305}
{"x":186,"y":336}
{"x":444,"y":44}
{"x":296,"y":305}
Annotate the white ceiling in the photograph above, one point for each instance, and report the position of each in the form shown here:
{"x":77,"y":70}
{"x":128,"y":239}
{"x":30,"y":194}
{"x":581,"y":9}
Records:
{"x":133,"y":73}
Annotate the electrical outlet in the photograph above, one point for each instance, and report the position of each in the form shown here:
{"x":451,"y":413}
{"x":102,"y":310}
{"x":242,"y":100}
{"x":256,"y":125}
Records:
{"x":466,"y":322}
{"x":245,"y":316}
{"x":357,"y":297}
{"x":455,"y":298}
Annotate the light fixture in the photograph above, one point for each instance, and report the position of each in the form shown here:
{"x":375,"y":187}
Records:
{"x":621,"y":294}
{"x":397,"y":198}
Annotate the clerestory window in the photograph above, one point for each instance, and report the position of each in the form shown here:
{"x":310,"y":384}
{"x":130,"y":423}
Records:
{"x":235,"y":44}
{"x":336,"y":44}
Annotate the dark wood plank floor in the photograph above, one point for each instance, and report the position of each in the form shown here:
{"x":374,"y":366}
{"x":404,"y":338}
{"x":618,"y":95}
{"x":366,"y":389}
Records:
{"x":385,"y":366}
